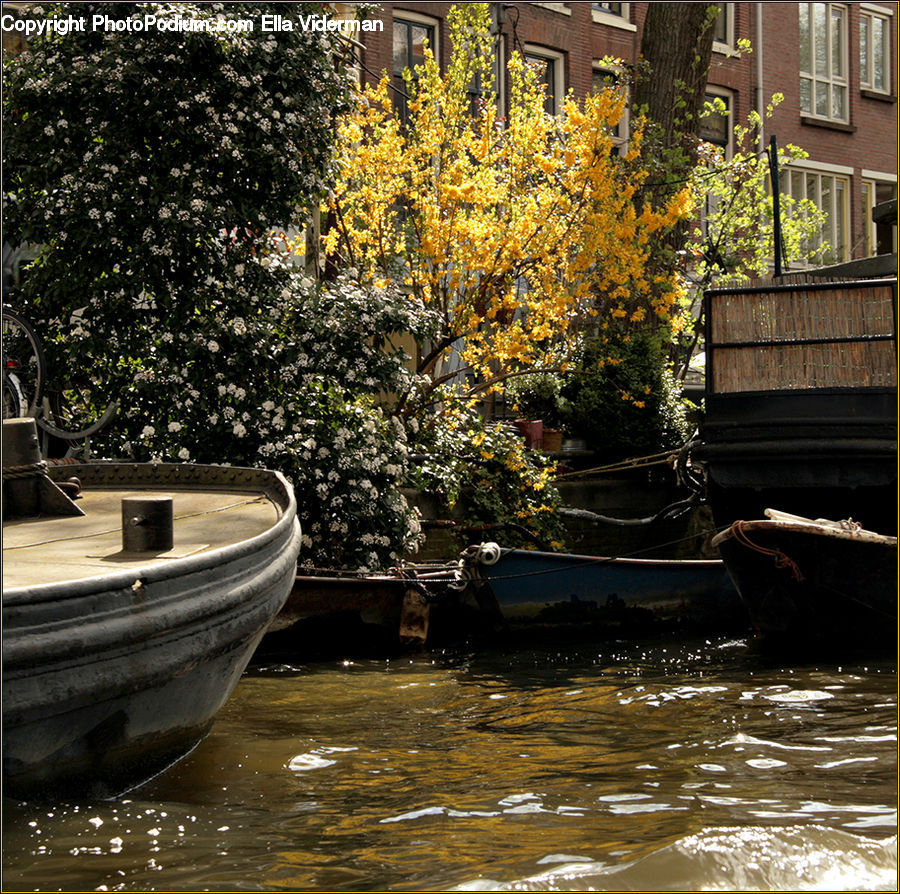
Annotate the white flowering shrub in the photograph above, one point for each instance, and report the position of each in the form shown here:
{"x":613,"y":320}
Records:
{"x":152,"y":167}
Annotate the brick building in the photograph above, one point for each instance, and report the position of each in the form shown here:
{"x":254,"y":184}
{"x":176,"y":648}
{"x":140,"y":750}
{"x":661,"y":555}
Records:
{"x":835,"y":63}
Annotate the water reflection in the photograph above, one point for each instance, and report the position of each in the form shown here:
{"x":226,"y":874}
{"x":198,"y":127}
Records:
{"x":654,"y":766}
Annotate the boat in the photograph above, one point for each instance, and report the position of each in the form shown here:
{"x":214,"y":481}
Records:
{"x":531,"y":588}
{"x":801,"y":401}
{"x":340,"y":612}
{"x":118,"y":646}
{"x":813,"y":583}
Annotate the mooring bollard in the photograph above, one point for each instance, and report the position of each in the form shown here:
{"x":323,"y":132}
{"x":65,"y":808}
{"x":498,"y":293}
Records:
{"x":27,"y":489}
{"x":147,"y":524}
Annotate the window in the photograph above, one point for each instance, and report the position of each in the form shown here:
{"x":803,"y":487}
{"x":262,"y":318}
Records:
{"x":477,"y":89}
{"x":715,"y":125}
{"x":829,"y":193}
{"x":616,"y":15}
{"x":879,"y":238}
{"x":409,"y":41}
{"x":723,"y":28}
{"x":874,"y":51}
{"x":823,"y":61}
{"x":549,"y":67}
{"x":605,"y":79}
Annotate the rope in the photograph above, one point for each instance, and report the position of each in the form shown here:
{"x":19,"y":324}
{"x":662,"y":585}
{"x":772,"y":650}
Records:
{"x":638,"y":462}
{"x":32,"y":470}
{"x":782,"y":560}
{"x":599,"y":560}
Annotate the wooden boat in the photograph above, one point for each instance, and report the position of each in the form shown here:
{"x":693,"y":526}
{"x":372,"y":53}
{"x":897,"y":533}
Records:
{"x":115,"y":661}
{"x":529,"y":587}
{"x":801,"y":401}
{"x":812,"y":583}
{"x":336,"y":612}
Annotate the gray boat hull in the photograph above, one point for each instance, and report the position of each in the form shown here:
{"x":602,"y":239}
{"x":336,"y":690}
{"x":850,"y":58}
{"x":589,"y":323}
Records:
{"x":110,"y":678}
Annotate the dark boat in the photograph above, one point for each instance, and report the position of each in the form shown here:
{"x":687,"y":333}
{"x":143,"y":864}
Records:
{"x":607,"y":594}
{"x":808,"y":584}
{"x":116,"y":660}
{"x":801,"y":401}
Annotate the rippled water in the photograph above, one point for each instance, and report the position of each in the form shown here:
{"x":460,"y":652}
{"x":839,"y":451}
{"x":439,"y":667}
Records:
{"x":654,"y":766}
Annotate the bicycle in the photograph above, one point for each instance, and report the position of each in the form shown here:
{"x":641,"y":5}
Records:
{"x":24,"y":366}
{"x":59,"y":414}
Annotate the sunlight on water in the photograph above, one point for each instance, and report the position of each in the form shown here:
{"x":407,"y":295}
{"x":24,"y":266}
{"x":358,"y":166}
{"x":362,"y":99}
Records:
{"x":649,"y":766}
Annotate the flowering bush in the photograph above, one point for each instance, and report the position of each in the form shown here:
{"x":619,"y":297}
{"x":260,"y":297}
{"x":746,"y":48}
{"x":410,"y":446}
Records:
{"x":166,"y":161}
{"x":482,"y":470}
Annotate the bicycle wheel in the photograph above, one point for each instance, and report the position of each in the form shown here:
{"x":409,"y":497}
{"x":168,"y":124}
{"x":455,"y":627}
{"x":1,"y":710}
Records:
{"x":24,"y":367}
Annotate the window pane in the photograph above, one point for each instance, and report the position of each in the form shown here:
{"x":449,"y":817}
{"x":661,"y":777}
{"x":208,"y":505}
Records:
{"x":820,"y":38}
{"x":864,"y":40}
{"x":838,"y":101}
{"x":837,"y":41}
{"x":821,"y":98}
{"x":805,"y":57}
{"x":879,"y":53}
{"x":420,"y":34}
{"x":867,"y":218}
{"x":720,"y":32}
{"x":805,"y":95}
{"x":401,"y":46}
{"x":839,"y":211}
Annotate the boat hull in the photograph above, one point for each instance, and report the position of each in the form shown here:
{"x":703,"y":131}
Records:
{"x":808,"y":585}
{"x":544,"y":588}
{"x":109,"y":678}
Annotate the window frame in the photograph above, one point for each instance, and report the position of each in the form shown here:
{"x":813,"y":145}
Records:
{"x":870,"y":13}
{"x":726,"y":46}
{"x":871,"y":180}
{"x":830,"y":80}
{"x":836,"y":173}
{"x":558,"y":60}
{"x":621,"y":20}
{"x":408,"y":17}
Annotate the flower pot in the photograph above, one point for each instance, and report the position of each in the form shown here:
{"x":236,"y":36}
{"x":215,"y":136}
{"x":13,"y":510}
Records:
{"x":552,"y":441}
{"x":533,"y":432}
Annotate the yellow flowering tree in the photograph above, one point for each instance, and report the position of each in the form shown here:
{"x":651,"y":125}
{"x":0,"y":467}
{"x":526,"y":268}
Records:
{"x":517,"y":231}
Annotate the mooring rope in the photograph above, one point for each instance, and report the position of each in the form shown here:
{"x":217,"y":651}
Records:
{"x":782,"y":560}
{"x":31,"y":470}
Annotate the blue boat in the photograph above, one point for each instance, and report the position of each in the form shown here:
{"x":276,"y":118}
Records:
{"x":530,"y":587}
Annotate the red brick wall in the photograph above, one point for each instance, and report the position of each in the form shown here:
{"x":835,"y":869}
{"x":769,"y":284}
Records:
{"x":870,"y":142}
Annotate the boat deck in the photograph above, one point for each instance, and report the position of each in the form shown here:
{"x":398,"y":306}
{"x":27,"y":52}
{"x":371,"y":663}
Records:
{"x":49,"y":550}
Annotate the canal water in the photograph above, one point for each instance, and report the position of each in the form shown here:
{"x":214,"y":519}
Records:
{"x":651,"y":766}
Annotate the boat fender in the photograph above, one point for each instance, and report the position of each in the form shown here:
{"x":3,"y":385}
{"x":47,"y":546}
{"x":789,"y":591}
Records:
{"x":488,"y":554}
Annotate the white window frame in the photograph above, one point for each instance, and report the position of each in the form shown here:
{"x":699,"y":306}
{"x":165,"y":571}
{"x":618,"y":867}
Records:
{"x":727,"y":46}
{"x":829,"y":81}
{"x":610,"y":19}
{"x":559,"y":70}
{"x":416,"y":18}
{"x":561,"y":8}
{"x":620,"y":141}
{"x":872,"y":179}
{"x":836,"y":173}
{"x":869,"y":14}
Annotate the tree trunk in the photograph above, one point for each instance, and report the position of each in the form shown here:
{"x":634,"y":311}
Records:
{"x":670,"y":85}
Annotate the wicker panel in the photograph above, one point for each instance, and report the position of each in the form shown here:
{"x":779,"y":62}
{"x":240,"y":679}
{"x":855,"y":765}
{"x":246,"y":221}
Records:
{"x":788,"y":367}
{"x":802,"y":314}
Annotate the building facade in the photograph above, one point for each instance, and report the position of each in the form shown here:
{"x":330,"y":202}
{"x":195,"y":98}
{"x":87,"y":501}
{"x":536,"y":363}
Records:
{"x":835,"y":64}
